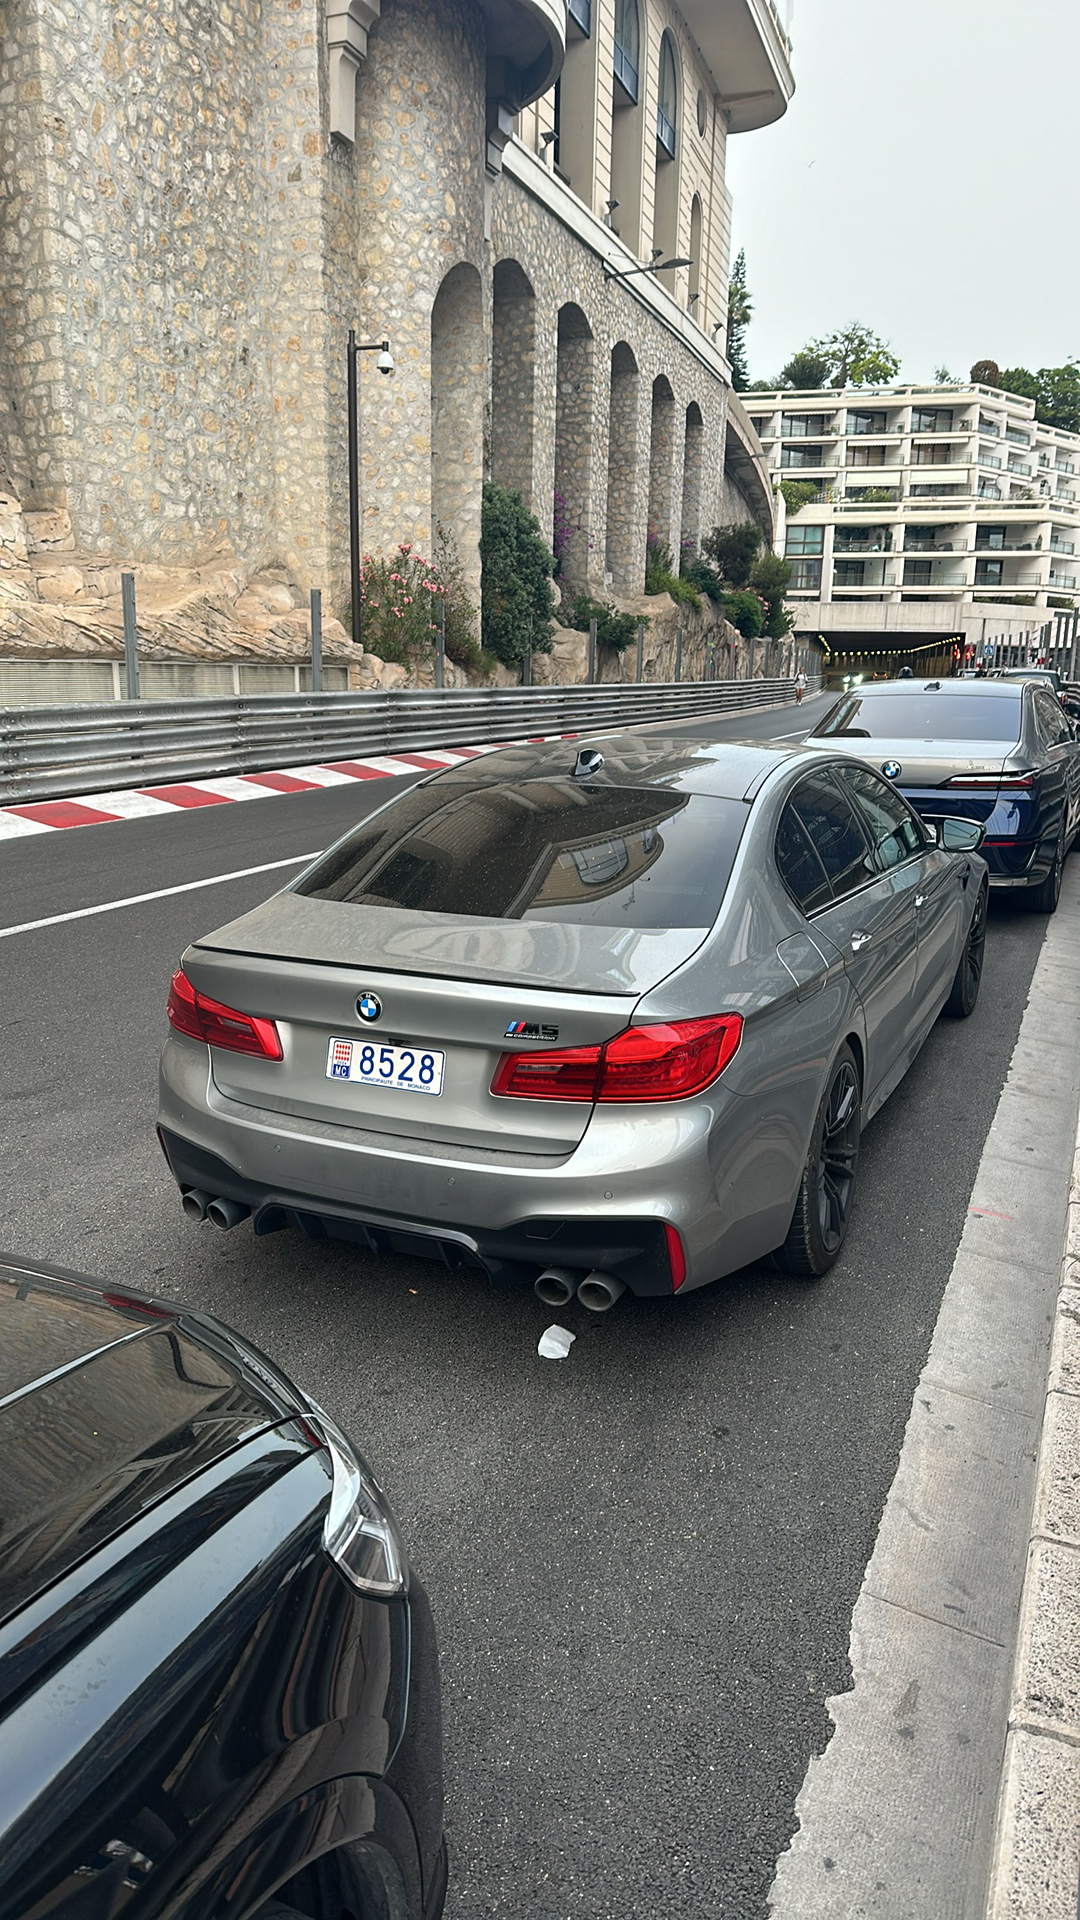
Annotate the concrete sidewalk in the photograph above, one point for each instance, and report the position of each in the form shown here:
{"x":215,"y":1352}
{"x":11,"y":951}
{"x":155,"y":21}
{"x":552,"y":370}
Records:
{"x":1036,"y":1865}
{"x":950,"y":1789}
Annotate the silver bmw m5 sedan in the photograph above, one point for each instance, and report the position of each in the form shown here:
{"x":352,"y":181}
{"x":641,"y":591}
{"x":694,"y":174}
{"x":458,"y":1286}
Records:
{"x":589,"y":1017}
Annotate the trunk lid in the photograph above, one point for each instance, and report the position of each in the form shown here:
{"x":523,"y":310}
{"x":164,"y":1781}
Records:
{"x":927,"y":763}
{"x":465,"y":1020}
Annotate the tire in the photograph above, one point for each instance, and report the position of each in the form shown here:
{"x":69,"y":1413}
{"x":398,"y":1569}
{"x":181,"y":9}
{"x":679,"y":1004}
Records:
{"x":827,"y":1189}
{"x":1044,"y":897}
{"x":965,"y":987}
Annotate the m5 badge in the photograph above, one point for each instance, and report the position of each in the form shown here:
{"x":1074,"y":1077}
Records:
{"x":530,"y":1030}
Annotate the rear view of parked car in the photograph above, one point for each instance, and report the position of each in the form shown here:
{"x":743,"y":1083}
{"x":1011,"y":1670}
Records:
{"x":1000,"y":751}
{"x":218,"y":1683}
{"x":595,"y":1022}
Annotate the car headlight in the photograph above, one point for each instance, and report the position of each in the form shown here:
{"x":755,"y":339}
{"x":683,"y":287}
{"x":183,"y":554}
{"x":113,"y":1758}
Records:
{"x":360,"y":1534}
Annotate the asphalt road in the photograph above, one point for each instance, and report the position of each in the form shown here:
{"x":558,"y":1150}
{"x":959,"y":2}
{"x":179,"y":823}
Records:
{"x":643,"y":1560}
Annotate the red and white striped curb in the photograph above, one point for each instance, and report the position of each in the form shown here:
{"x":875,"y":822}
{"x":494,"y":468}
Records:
{"x":139,"y":803}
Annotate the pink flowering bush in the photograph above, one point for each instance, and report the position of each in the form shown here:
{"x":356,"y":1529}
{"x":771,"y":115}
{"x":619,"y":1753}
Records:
{"x":403,"y":596}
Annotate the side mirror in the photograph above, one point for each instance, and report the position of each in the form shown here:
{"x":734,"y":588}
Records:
{"x":958,"y":836}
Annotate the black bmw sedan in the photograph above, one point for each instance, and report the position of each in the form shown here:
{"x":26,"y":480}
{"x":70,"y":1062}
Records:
{"x":219,"y":1693}
{"x":999,"y":751}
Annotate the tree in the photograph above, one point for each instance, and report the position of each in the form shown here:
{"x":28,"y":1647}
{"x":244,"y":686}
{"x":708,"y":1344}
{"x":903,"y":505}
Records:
{"x":857,"y":358}
{"x":852,"y":357}
{"x":807,"y":368}
{"x":797,"y":494}
{"x":740,"y":310}
{"x":944,"y":378}
{"x":986,"y":373}
{"x":770,"y":576}
{"x":1055,"y":391}
{"x":517,"y":597}
{"x":733,"y":550}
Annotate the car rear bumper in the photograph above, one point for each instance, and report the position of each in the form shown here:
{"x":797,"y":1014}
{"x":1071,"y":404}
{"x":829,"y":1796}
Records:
{"x":604,"y":1205}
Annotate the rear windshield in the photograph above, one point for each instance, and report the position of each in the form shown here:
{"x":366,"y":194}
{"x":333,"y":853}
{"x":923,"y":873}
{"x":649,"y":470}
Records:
{"x":542,"y":850}
{"x":962,"y":713}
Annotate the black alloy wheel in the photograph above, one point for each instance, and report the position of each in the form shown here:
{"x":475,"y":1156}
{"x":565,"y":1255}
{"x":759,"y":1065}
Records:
{"x":968,"y":977}
{"x":827,"y":1189}
{"x":1044,"y":897}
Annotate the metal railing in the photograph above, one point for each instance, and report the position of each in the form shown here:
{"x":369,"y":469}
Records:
{"x":49,"y":752}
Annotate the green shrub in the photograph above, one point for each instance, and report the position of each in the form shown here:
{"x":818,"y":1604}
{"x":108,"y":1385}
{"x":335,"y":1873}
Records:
{"x":517,"y":597}
{"x":733,"y":550}
{"x":660,"y":575}
{"x":770,"y":576}
{"x":798,"y":494}
{"x":613,"y":629}
{"x":747,"y":611}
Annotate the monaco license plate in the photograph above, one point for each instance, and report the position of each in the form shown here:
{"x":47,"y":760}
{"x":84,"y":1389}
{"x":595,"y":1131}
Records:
{"x":404,"y":1069}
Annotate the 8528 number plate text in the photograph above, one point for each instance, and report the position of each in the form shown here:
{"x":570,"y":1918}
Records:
{"x":404,"y":1069}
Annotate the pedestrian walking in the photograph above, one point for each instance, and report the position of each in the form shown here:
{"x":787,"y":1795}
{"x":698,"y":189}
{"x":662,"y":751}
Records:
{"x":800,"y":687}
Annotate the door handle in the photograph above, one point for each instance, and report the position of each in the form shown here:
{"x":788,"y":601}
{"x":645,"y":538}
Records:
{"x":920,"y":900}
{"x":859,"y":940}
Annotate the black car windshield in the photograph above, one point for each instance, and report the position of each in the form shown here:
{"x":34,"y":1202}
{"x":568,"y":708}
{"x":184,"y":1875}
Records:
{"x":954,"y":713}
{"x":554,"y":849}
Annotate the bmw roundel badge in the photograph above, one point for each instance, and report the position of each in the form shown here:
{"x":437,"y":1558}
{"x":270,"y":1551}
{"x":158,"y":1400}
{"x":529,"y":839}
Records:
{"x":891,"y":769}
{"x":369,"y":1006}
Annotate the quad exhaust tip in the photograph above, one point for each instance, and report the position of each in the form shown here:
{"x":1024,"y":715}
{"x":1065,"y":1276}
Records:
{"x":556,"y":1286}
{"x":598,"y":1291}
{"x":199,"y":1205}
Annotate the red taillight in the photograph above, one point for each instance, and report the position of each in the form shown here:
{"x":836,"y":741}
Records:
{"x":676,"y":1256}
{"x":194,"y":1013}
{"x":566,"y":1074}
{"x":983,"y":782}
{"x":668,"y":1062}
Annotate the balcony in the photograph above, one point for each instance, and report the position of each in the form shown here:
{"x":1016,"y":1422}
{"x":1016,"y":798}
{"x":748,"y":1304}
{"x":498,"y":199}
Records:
{"x":989,"y":459}
{"x":988,"y":428}
{"x":665,"y":132}
{"x":526,"y":47}
{"x":1016,"y":438}
{"x":748,"y":51}
{"x":1018,"y":466}
{"x":1061,"y":546}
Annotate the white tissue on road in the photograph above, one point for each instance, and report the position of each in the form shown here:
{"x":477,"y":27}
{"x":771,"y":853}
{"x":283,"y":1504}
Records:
{"x":555,"y":1343}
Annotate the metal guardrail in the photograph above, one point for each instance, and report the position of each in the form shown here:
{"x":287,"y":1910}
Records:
{"x":49,"y":752}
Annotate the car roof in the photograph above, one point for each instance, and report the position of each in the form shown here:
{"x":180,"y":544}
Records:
{"x":657,"y":755}
{"x":971,"y":689}
{"x":108,"y":1402}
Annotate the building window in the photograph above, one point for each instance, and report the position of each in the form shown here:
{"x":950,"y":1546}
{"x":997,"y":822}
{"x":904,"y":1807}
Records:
{"x":799,"y":426}
{"x":667,"y":105}
{"x":943,"y":491}
{"x":580,"y":12}
{"x":867,"y":456}
{"x":992,"y":537}
{"x":805,"y":540}
{"x":849,"y":573}
{"x":988,"y":573}
{"x":802,"y":456}
{"x":806,"y":575}
{"x":932,"y":456}
{"x":702,"y":113}
{"x":931,"y":419}
{"x":627,"y":47}
{"x":866,"y":423}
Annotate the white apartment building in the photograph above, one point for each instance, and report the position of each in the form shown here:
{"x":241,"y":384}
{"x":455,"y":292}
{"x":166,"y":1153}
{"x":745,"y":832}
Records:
{"x":946,"y":497}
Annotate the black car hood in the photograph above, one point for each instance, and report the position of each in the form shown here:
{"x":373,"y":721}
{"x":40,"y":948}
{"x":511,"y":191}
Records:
{"x":108,"y":1402}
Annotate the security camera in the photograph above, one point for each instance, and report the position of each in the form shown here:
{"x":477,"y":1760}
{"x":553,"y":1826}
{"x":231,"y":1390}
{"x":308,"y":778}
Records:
{"x":385,"y":361}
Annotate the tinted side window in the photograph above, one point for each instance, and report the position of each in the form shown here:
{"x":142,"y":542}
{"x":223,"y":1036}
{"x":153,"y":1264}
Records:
{"x":1051,"y":721}
{"x":800,"y":869}
{"x":894,"y":833}
{"x":831,"y":828}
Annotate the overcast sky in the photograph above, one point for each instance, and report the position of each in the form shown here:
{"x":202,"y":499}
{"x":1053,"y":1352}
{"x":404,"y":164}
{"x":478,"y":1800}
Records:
{"x":925,"y":179}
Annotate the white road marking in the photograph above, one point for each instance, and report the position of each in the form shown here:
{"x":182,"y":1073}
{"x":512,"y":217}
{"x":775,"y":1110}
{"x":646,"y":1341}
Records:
{"x":160,"y":893}
{"x":228,"y":787}
{"x":13,"y":826}
{"x":127,"y":803}
{"x":320,"y":776}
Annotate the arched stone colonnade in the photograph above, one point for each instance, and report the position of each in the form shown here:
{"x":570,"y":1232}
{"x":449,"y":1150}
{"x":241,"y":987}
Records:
{"x":609,"y":429}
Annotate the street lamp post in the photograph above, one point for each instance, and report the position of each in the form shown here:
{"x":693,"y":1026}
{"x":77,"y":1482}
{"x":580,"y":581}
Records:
{"x":385,"y":364}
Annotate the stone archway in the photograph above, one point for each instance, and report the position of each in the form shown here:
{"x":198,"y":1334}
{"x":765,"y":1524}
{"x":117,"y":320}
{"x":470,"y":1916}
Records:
{"x":624,"y":550}
{"x":458,"y":378}
{"x":574,"y":423}
{"x":693,"y":466}
{"x":513,"y":381}
{"x":662,"y":465}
